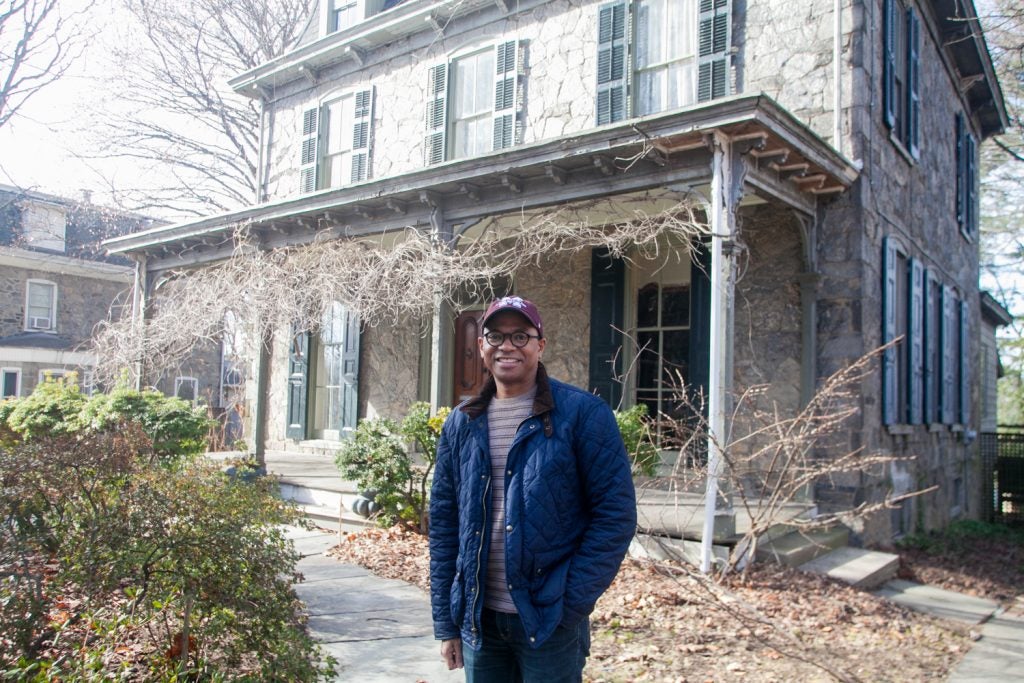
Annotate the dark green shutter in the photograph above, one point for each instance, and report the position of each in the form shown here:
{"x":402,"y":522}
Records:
{"x":890,"y":17}
{"x":607,"y":296}
{"x":309,"y":153}
{"x":362,"y":123}
{"x":961,"y":173}
{"x":437,"y":115}
{"x":713,"y":49}
{"x":298,"y":383}
{"x":932,"y":350}
{"x":947,"y":396}
{"x":700,"y":326}
{"x":971,"y":185}
{"x":913,"y":83}
{"x":612,"y":63}
{"x":350,"y":376}
{"x":965,"y":363}
{"x":507,"y":60}
{"x":915,"y":347}
{"x":890,"y":386}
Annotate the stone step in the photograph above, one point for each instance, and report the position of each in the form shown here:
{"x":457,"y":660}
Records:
{"x":798,"y":547}
{"x":658,"y":548}
{"x":938,"y":602}
{"x":858,"y":567}
{"x":330,"y":518}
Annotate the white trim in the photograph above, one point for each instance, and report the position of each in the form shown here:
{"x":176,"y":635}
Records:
{"x":54,"y":372}
{"x":53,"y":307}
{"x":178,"y":381}
{"x":63,"y":265}
{"x":24,"y":354}
{"x":17,"y":381}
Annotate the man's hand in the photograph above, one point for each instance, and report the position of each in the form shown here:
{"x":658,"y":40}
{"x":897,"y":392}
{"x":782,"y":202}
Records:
{"x":451,"y":652}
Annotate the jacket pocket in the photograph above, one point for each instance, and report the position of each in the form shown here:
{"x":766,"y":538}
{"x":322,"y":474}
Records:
{"x":549,"y":586}
{"x":457,"y":600}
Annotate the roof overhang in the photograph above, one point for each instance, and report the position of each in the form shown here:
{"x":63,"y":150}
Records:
{"x":993,"y":311}
{"x":782,"y":158}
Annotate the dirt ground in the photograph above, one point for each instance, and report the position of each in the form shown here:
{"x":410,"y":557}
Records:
{"x":662,"y":622}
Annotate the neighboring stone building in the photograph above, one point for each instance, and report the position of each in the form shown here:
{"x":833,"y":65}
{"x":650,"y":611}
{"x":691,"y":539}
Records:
{"x":56,"y":284}
{"x":993,"y":316}
{"x":834,"y":158}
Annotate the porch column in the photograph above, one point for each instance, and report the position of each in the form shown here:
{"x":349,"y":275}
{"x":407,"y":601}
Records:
{"x":259,"y":430}
{"x":719,"y":520}
{"x":140,"y":299}
{"x":441,"y":324}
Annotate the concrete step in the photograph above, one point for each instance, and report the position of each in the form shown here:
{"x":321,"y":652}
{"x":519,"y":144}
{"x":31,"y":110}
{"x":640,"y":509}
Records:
{"x":798,"y":547}
{"x":938,"y":602}
{"x":658,"y":548}
{"x":858,"y":567}
{"x":344,"y":521}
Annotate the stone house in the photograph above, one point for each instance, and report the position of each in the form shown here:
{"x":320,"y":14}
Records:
{"x":56,"y":284}
{"x":831,"y":148}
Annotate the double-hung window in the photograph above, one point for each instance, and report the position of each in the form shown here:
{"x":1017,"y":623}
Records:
{"x":40,"y":306}
{"x":474,"y":103}
{"x":10,"y":383}
{"x":336,"y":143}
{"x":901,"y":71}
{"x":657,"y":55}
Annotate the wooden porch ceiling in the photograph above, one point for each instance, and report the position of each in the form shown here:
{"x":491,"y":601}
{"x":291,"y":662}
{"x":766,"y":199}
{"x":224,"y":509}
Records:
{"x":780,"y":157}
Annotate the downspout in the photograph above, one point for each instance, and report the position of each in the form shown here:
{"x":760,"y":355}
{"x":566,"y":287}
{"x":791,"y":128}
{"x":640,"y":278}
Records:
{"x":259,"y":151}
{"x":837,"y":95}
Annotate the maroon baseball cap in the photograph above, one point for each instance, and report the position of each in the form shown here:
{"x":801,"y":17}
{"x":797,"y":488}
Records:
{"x":518,"y":304}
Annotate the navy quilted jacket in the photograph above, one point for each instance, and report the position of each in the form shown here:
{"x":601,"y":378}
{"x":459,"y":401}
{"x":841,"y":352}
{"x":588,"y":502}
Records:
{"x":570,"y":512}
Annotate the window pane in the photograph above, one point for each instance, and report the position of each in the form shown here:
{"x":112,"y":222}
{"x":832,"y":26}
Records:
{"x":647,"y":305}
{"x":10,"y":385}
{"x":649,"y":362}
{"x":676,"y":356}
{"x":675,"y":306}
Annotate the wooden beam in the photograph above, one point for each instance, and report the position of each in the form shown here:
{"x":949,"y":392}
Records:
{"x":556,"y":173}
{"x":511,"y":182}
{"x":470,"y":190}
{"x":604,"y":164}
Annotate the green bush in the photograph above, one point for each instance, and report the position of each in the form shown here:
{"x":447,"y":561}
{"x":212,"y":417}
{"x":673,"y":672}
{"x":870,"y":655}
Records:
{"x":380,"y":458}
{"x":636,"y":429}
{"x":110,"y":563}
{"x":50,"y":410}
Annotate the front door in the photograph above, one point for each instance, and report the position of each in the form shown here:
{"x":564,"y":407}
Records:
{"x":470,"y":374}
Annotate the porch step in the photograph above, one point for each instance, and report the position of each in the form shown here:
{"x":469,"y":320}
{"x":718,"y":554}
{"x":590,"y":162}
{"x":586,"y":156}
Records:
{"x":344,"y":521}
{"x":858,"y":567}
{"x":798,"y":547}
{"x":328,"y":509}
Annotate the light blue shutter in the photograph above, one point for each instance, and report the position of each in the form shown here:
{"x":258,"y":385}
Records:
{"x":350,"y":375}
{"x":612,"y":63}
{"x":971,"y":185}
{"x":298,"y":377}
{"x":508,"y":65}
{"x":965,"y":363}
{"x":890,"y":382}
{"x":915,"y":347}
{"x":362,"y":134}
{"x":947,"y":396}
{"x":309,"y":154}
{"x":437,"y":115}
{"x":715,"y":36}
{"x":961,"y":173}
{"x":913,"y":82}
{"x":890,"y":17}
{"x":932,"y":350}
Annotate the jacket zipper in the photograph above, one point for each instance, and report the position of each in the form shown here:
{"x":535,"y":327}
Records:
{"x":479,"y":551}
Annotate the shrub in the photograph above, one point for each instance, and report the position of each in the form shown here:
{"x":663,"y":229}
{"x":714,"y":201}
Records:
{"x":50,"y":410}
{"x":379,"y":459}
{"x":635,"y":427}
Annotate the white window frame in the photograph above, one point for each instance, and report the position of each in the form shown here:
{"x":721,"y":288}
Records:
{"x":55,"y":373}
{"x":48,"y":240}
{"x":483,"y":115}
{"x":4,"y":372}
{"x":53,"y":305}
{"x":178,"y":381}
{"x":691,"y":60}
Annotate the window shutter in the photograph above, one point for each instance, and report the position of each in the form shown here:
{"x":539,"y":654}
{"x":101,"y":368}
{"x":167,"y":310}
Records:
{"x":889,"y":28}
{"x":607,"y":296}
{"x":612,"y":62}
{"x":932,"y":350}
{"x":971,"y":185}
{"x":948,"y":341}
{"x":965,"y":363}
{"x":350,"y":376}
{"x":915,"y":348}
{"x":714,"y":43}
{"x":508,"y":60}
{"x":298,"y":377}
{"x":437,"y":115}
{"x":961,"y":173}
{"x":362,"y":134}
{"x":913,"y":83}
{"x":890,"y":383}
{"x":309,"y":154}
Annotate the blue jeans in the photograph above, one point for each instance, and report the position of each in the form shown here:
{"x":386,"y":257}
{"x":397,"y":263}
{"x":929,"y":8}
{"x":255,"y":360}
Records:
{"x":506,"y":655}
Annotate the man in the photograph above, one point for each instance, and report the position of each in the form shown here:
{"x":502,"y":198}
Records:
{"x":532,"y":509}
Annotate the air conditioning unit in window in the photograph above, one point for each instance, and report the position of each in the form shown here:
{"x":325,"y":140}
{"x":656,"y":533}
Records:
{"x":39,"y":323}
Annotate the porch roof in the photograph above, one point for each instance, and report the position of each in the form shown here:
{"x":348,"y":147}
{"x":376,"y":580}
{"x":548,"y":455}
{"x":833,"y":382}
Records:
{"x":784,"y":159}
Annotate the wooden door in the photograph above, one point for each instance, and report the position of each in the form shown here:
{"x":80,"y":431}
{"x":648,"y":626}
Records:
{"x":469,"y":368}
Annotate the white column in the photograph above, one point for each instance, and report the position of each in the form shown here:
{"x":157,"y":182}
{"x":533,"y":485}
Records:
{"x":139,"y":303}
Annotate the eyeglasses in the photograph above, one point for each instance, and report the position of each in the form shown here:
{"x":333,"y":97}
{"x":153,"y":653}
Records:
{"x":519,"y":339}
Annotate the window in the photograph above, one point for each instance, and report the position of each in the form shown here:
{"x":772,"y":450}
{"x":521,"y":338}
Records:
{"x":473,"y":103}
{"x":232,"y":363}
{"x":43,"y":227}
{"x":966,"y":179}
{"x":925,"y":370}
{"x":336,"y":142}
{"x":341,"y":14}
{"x":901,"y":74}
{"x":40,"y":306}
{"x":10,"y":382}
{"x":656,"y":55}
{"x":335,"y":374}
{"x":186,"y":388}
{"x":662,"y":332}
{"x":51,"y":374}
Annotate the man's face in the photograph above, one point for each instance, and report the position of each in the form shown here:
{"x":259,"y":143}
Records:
{"x":514,"y":369}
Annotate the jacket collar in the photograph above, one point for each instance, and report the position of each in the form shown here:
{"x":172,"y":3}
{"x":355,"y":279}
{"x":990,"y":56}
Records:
{"x":543,"y":402}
